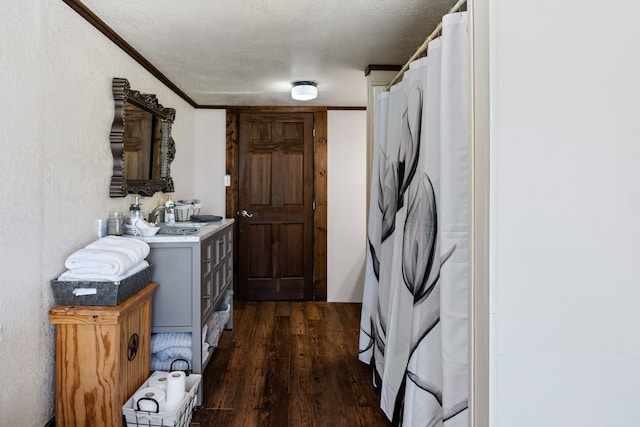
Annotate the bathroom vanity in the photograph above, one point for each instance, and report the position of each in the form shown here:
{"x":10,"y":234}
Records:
{"x":194,"y":272}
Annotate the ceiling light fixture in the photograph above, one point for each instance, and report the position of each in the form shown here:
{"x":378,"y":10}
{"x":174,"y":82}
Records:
{"x":304,"y":90}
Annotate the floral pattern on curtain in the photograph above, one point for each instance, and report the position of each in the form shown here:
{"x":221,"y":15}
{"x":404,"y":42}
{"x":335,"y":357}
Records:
{"x":414,"y":316}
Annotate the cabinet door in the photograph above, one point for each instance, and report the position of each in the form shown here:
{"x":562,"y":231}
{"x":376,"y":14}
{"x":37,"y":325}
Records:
{"x":207,"y":281}
{"x":228,"y":237}
{"x":207,"y":291}
{"x":102,"y":357}
{"x":221,"y":243}
{"x":173,"y":269}
{"x":228,"y":271}
{"x":135,"y":351}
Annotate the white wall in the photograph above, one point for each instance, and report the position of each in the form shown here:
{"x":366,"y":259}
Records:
{"x":346,"y":211}
{"x":210,"y":160}
{"x":55,"y":168}
{"x":565,"y":213}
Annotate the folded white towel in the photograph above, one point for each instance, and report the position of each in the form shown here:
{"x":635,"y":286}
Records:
{"x":134,"y":248}
{"x":99,"y":262}
{"x":75,"y":276}
{"x":157,"y":364}
{"x":111,"y":255}
{"x":162,"y":341}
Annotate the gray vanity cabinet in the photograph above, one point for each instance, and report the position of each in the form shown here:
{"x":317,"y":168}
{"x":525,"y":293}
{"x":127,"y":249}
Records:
{"x":217,"y":270}
{"x":194,"y":274}
{"x":176,"y":266}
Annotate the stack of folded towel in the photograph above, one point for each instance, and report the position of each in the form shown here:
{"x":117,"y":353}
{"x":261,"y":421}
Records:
{"x":110,"y":258}
{"x":216,"y":324}
{"x":167,"y":347}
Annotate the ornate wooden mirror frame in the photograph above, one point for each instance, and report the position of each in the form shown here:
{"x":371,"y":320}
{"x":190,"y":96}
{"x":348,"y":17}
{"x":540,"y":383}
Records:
{"x":160,"y":180}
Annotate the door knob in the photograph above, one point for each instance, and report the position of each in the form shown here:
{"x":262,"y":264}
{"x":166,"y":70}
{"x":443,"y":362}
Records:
{"x":246,"y":214}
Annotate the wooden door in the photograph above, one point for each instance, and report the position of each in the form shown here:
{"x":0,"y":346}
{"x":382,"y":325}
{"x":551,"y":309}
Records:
{"x":275,"y":221}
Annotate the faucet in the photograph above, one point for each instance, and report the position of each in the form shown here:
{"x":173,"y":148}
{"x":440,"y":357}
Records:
{"x":153,"y":215}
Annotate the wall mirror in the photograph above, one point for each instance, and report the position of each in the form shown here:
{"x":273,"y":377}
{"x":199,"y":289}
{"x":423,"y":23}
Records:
{"x":141,"y":143}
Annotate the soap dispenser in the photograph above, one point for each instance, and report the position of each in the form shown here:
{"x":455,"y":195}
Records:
{"x":169,"y":215}
{"x":134,"y":212}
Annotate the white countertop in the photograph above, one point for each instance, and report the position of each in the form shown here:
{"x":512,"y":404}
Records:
{"x":203,"y":232}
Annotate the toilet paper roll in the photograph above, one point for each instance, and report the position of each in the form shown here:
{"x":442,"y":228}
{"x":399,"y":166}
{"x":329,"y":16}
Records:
{"x":144,"y":399}
{"x":176,"y":387}
{"x":159,"y":381}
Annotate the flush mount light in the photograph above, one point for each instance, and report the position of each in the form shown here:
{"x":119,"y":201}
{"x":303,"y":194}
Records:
{"x":304,"y":90}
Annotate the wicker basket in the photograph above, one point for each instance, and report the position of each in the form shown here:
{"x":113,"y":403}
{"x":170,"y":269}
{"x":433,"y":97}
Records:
{"x":183,"y":213}
{"x":180,"y":418}
{"x":106,"y":293}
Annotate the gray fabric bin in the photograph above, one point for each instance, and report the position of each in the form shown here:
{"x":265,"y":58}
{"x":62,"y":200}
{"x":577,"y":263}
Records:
{"x":107,"y":293}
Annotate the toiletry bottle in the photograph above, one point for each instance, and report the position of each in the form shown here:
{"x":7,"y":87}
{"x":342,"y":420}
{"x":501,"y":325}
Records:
{"x":115,"y":224}
{"x":134,"y":212}
{"x":169,"y":216}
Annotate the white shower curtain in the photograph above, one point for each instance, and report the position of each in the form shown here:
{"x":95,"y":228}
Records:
{"x":414,"y":313}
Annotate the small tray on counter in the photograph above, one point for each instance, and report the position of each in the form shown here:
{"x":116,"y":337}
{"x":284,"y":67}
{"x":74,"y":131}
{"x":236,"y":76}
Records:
{"x":178,"y":231}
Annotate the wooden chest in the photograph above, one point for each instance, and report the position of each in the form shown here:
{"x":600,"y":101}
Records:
{"x":102,"y":357}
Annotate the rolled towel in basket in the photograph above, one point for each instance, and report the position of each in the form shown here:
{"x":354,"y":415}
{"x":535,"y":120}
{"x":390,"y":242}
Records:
{"x":172,"y":353}
{"x":169,"y":346}
{"x":162,"y":341}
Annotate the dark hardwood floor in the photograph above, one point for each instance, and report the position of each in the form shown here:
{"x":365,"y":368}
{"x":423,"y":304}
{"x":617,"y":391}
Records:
{"x":290,"y":364}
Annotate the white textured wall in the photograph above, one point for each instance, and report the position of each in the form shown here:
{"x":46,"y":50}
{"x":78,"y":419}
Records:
{"x":210,"y":160}
{"x":55,"y":168}
{"x":346,"y":210}
{"x":565,"y":213}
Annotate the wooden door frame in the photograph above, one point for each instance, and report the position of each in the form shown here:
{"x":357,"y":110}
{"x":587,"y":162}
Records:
{"x":319,"y":187}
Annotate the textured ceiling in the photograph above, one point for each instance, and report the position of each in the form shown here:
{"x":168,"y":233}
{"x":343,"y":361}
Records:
{"x":247,"y":52}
